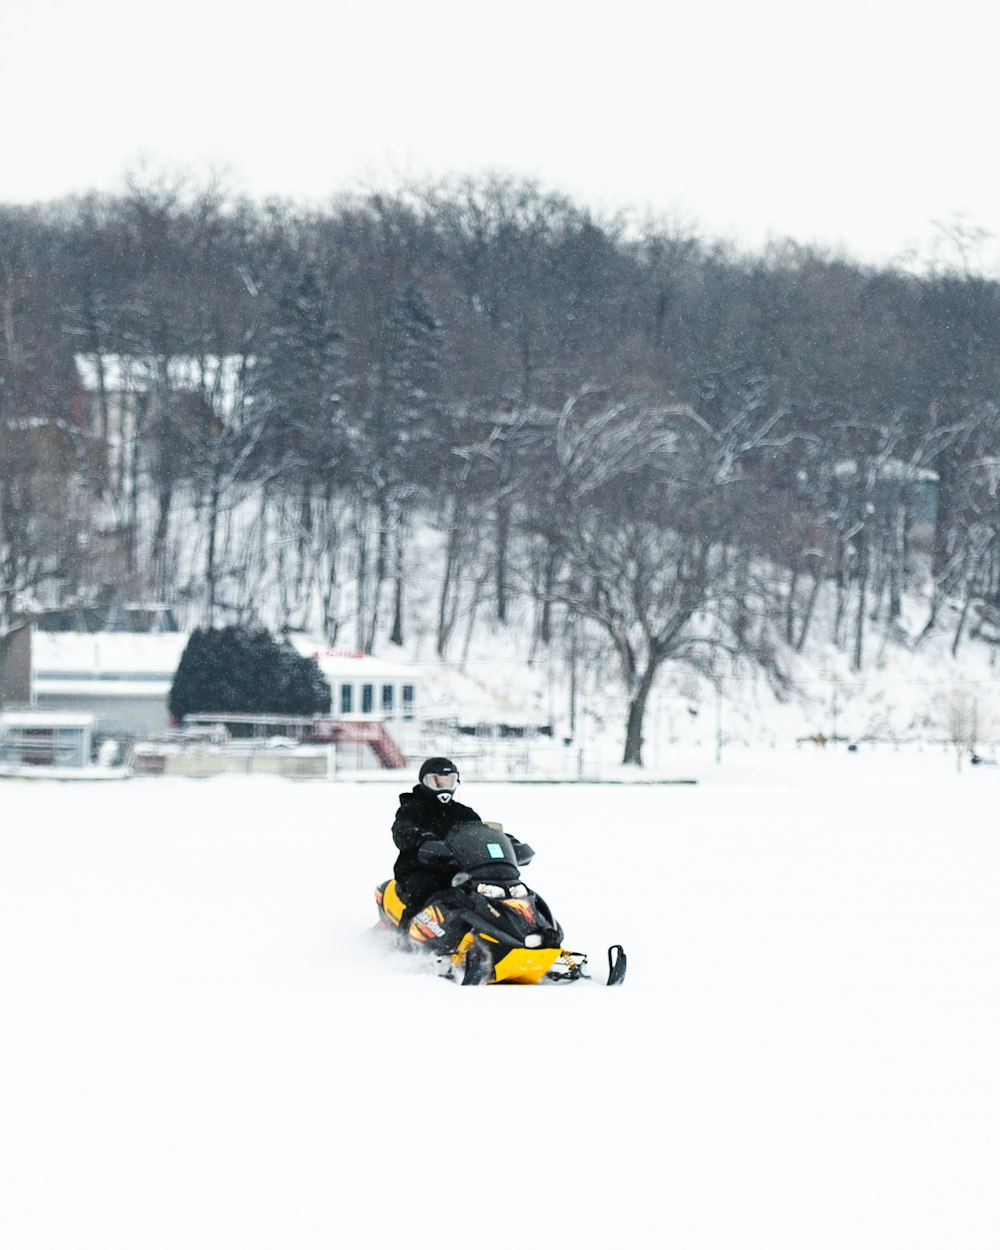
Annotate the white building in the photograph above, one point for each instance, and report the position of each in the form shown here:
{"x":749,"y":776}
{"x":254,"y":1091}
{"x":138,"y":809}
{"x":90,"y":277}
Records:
{"x":61,"y":745}
{"x":367,"y":688}
{"x":45,"y":740}
{"x":122,"y":678}
{"x":363,"y":685}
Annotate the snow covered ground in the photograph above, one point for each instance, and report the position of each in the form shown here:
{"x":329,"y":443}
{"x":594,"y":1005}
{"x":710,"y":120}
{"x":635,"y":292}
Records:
{"x":200,"y":1048}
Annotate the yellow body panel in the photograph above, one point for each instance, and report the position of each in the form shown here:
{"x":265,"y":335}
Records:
{"x":519,"y":967}
{"x":525,"y":967}
{"x":392,"y":904}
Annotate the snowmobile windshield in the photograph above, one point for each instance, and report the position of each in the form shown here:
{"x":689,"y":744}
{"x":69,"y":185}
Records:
{"x":478,"y":848}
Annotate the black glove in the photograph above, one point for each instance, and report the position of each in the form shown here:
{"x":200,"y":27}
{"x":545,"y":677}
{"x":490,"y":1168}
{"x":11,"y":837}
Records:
{"x":432,"y":853}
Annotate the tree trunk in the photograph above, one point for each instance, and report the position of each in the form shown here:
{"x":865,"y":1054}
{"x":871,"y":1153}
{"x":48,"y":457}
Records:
{"x":132,"y":507}
{"x":573,"y":687}
{"x":397,"y":604}
{"x":210,"y":559}
{"x":331,"y":623}
{"x":971,"y":581}
{"x":899,"y":559}
{"x":807,"y":615}
{"x":448,"y":595}
{"x":503,"y":542}
{"x":793,"y":586}
{"x":381,"y":573}
{"x":548,"y":581}
{"x":859,"y":623}
{"x":165,"y":496}
{"x":361,"y":578}
{"x":637,"y":712}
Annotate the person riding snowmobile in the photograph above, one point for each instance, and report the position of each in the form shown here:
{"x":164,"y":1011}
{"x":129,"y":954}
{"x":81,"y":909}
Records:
{"x":425,"y":814}
{"x":485,"y":924}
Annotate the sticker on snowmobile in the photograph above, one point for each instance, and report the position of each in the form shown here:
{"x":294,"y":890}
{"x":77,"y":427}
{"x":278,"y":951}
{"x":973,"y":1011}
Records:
{"x":495,"y":850}
{"x":427,"y":924}
{"x":523,"y":906}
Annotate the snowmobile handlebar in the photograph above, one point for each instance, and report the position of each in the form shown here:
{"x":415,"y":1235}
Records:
{"x":434,"y":851}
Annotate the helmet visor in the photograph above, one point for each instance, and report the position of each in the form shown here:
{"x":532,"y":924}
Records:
{"x":440,"y":781}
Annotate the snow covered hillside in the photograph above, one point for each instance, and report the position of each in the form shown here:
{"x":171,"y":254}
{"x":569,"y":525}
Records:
{"x":909,"y":690}
{"x":201,"y":1048}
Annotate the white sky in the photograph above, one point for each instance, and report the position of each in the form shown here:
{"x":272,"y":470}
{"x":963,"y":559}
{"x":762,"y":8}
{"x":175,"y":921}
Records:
{"x":856,"y":124}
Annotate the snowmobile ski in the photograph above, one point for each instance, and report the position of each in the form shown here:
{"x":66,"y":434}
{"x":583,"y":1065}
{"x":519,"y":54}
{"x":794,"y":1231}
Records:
{"x":617,"y":964}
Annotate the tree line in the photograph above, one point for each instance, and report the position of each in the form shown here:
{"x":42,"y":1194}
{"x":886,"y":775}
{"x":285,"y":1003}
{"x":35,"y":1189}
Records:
{"x":658,"y":446}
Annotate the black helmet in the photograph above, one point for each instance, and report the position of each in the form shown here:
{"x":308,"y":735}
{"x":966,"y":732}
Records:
{"x":442,"y":778}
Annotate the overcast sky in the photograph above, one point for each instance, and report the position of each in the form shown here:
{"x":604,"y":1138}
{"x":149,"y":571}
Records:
{"x":857,"y":124}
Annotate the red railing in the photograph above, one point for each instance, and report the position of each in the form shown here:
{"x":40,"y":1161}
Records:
{"x":371,"y":733}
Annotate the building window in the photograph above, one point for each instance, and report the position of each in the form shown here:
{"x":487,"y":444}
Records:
{"x":368,"y":697}
{"x":346,"y":699}
{"x":387,"y":692}
{"x":407,"y":703}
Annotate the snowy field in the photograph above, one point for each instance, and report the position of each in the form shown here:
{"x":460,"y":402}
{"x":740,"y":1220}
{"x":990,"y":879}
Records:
{"x":200,"y":1048}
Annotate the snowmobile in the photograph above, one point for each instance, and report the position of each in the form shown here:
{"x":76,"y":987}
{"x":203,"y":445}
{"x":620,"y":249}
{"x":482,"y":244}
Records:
{"x":489,"y":927}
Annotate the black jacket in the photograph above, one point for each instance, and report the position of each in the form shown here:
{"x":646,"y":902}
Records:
{"x":419,"y":818}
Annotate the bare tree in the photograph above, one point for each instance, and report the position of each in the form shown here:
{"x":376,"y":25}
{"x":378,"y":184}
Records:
{"x":961,"y":722}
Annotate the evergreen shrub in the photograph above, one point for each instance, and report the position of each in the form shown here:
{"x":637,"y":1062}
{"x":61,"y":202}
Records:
{"x":241,"y":670}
